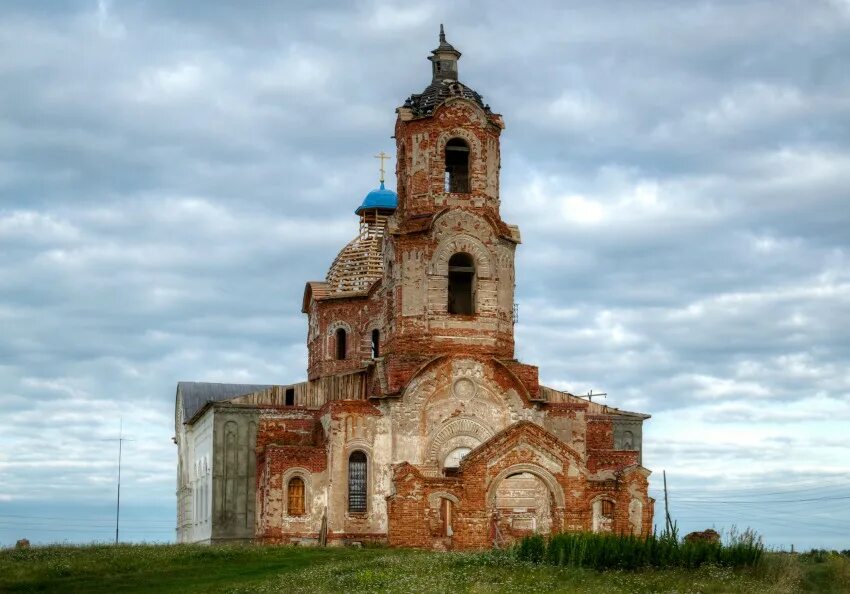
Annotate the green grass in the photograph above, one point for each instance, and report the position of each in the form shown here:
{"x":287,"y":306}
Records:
{"x":613,"y":551}
{"x":194,"y":568}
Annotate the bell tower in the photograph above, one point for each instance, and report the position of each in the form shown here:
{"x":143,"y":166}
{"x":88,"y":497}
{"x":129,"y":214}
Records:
{"x":449,"y":270}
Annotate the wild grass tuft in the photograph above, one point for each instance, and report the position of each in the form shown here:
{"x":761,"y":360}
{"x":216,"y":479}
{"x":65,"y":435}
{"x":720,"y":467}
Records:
{"x":610,"y":551}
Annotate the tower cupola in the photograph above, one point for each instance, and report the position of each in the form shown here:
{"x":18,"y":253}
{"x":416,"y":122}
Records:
{"x":444,"y":60}
{"x":444,"y":82}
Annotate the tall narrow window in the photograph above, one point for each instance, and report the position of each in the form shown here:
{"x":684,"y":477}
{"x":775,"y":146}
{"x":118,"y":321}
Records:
{"x":357,"y":482}
{"x":376,"y":343}
{"x":340,"y":343}
{"x":457,"y":166}
{"x":607,"y":509}
{"x":290,"y":397}
{"x":461,"y":284}
{"x":295,"y":497}
{"x":446,"y":516}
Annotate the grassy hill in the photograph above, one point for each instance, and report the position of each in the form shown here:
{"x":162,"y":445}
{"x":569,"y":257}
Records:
{"x":193,"y":568}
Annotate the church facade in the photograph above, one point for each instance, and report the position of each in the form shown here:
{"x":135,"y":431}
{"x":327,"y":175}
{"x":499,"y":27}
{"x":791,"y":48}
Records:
{"x":416,"y":426}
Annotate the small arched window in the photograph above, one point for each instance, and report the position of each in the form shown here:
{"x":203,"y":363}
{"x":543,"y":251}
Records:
{"x":341,"y":340}
{"x":461,"y":284}
{"x":453,"y":459}
{"x":376,"y":343}
{"x":357,"y":482}
{"x":457,"y":166}
{"x":295,"y":497}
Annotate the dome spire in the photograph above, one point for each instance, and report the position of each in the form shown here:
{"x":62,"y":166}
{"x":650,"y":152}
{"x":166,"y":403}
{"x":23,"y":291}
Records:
{"x":444,"y":59}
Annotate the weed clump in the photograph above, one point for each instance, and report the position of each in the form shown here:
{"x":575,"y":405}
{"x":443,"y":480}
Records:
{"x":611,"y":551}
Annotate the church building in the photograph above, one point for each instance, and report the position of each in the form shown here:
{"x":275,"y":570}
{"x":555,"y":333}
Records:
{"x":417,"y":426}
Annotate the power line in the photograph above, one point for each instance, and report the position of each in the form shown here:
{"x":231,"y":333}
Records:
{"x":73,"y":525}
{"x":754,"y":491}
{"x":83,"y":530}
{"x":764,"y":501}
{"x":82,"y":519}
{"x":845,"y":480}
{"x":769,"y":495}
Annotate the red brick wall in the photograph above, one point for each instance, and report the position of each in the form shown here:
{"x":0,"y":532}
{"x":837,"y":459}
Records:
{"x":414,"y":522}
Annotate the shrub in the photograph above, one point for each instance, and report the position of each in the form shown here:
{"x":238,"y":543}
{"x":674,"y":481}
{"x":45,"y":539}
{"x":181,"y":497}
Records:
{"x":532,"y":549}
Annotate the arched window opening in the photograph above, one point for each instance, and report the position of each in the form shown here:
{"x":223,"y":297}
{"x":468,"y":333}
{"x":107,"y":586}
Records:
{"x":457,"y":166}
{"x":376,"y":343}
{"x":603,"y":515}
{"x":357,"y":482}
{"x":295,"y":497}
{"x":461,"y":284}
{"x":340,"y":343}
{"x":446,"y":516}
{"x":452,"y":461}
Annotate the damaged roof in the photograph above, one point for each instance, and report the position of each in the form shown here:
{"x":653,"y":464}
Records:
{"x":197,"y":394}
{"x":434,"y":94}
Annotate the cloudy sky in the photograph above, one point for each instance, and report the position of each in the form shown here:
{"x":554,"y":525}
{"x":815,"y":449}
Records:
{"x":172,"y":173}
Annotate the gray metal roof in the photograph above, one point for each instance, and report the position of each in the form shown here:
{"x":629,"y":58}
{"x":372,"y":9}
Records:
{"x":196,"y":394}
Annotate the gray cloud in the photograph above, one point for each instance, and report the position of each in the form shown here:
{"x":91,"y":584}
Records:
{"x":171,"y":174}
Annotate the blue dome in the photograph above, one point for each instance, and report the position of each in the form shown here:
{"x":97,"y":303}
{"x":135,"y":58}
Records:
{"x":379,"y":198}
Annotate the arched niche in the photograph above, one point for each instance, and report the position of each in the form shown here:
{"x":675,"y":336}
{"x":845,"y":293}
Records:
{"x":544,"y":475}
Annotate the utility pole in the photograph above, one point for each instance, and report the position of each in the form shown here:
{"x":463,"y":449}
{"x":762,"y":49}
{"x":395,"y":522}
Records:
{"x":121,"y":439}
{"x":668,"y":523}
{"x":118,"y":496}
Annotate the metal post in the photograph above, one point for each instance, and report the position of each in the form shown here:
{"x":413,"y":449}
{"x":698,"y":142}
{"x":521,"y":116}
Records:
{"x":666,"y":506}
{"x":118,"y":499}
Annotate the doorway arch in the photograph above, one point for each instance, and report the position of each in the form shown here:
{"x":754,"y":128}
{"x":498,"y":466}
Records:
{"x":524,"y":499}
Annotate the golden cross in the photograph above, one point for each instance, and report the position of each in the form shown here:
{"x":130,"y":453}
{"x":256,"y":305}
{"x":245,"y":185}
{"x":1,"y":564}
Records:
{"x":382,"y":156}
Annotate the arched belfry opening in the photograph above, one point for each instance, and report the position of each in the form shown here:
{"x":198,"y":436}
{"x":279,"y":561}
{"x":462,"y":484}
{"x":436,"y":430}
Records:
{"x":376,"y":343}
{"x":457,"y":166}
{"x":461,"y":284}
{"x":341,"y":346}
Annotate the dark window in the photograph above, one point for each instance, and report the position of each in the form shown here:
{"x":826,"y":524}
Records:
{"x":376,"y":343}
{"x":290,"y":397}
{"x":607,"y":508}
{"x":457,"y":166}
{"x":357,"y":482}
{"x":340,"y":343}
{"x":461,"y":284}
{"x":295,"y":497}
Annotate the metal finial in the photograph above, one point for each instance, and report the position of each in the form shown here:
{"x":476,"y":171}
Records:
{"x":442,"y":34}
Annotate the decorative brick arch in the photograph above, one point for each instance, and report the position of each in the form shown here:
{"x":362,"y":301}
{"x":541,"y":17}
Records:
{"x":451,"y":221}
{"x":434,"y":498}
{"x":453,"y":432}
{"x":334,"y":326}
{"x":544,"y":475}
{"x":466,"y":135}
{"x":462,"y":243}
